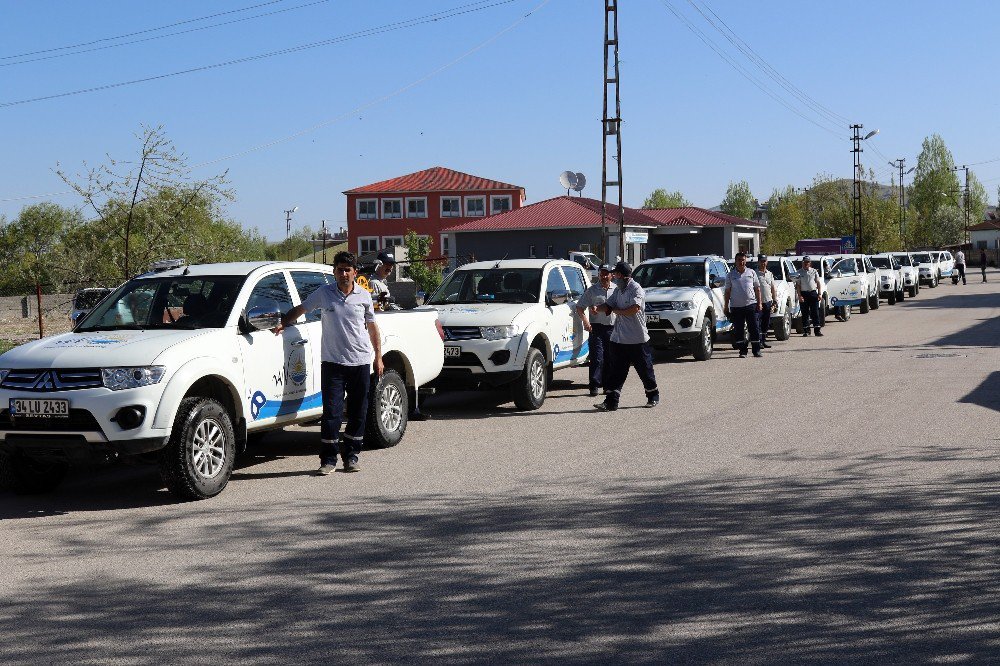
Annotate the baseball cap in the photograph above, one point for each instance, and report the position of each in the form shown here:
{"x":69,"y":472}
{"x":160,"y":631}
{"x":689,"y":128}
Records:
{"x":761,"y":257}
{"x":386,"y":258}
{"x":623,"y":269}
{"x":806,"y":258}
{"x":604,"y":268}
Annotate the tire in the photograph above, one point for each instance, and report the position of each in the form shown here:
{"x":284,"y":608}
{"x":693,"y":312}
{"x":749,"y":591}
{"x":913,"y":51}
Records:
{"x":901,"y":295}
{"x":26,"y":476}
{"x":799,"y":328}
{"x":701,"y":347}
{"x":784,"y":329}
{"x":913,"y":292}
{"x":875,"y":301}
{"x":934,"y":283}
{"x":866,"y":305}
{"x":388,"y":411}
{"x":891,"y":298}
{"x":823,"y":312}
{"x":530,"y":388}
{"x":198,"y":459}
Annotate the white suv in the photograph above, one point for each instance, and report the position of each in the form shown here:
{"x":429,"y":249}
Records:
{"x":889,"y":275}
{"x":684,"y":302}
{"x":853,"y":281}
{"x":181,"y":363}
{"x":910,"y":271}
{"x":927,"y":268}
{"x":511,"y":323}
{"x":945,"y":262}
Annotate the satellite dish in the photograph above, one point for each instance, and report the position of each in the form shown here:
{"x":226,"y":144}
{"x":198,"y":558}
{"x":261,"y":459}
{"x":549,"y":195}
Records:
{"x":568,"y":180}
{"x":581,"y":182}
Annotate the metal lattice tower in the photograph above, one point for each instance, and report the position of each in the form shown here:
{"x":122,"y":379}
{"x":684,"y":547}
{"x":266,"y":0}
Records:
{"x":856,"y":198}
{"x":611,"y":128}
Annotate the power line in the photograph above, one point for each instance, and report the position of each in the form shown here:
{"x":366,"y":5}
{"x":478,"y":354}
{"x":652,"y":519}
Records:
{"x":141,"y":32}
{"x":369,"y":32}
{"x":378,"y":100}
{"x":766,"y":67}
{"x":155,"y":37}
{"x":742,"y":71}
{"x":37,"y":196}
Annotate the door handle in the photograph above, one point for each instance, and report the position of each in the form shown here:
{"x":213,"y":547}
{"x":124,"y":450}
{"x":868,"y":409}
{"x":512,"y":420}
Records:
{"x":300,"y":342}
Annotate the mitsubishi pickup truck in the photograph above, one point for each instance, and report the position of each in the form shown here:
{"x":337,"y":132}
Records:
{"x":889,"y":274}
{"x":927,"y":268}
{"x":851,"y":281}
{"x":911,"y":274}
{"x":588,"y":260}
{"x":684,"y":302}
{"x":180,"y":366}
{"x":788,"y":303}
{"x":511,"y":323}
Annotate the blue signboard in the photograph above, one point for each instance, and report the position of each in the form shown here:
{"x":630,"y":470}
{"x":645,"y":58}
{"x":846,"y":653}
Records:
{"x":847,"y":245}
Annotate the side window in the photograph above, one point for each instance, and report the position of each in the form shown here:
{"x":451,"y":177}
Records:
{"x":306,"y":282}
{"x":575,"y":279}
{"x":272,"y":293}
{"x":718,"y":269}
{"x":555,"y":281}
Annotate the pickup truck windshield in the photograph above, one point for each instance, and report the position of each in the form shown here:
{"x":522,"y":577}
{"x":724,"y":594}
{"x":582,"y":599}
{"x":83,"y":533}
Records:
{"x":903,"y":259}
{"x":88,"y":298}
{"x":816,"y":263}
{"x":881,"y":262}
{"x":170,"y":302}
{"x":923,"y":258}
{"x":670,"y":275}
{"x":490,"y":285}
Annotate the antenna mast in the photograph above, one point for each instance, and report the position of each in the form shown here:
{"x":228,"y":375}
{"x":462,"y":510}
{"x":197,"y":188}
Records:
{"x":611,"y":127}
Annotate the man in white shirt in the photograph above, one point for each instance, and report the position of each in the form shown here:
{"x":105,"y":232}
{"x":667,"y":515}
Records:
{"x":960,"y":265}
{"x":807,"y":286}
{"x":743,"y":303}
{"x":599,"y":325}
{"x":384,"y":263}
{"x":770,"y":295}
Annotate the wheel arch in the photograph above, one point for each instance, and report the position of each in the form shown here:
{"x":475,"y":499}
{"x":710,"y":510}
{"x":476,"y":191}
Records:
{"x":396,"y":360}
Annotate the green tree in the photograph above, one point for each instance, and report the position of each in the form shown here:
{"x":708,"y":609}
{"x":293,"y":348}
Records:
{"x":660,"y":198}
{"x":739,"y":200}
{"x":788,"y":220}
{"x":29,"y":246}
{"x":932,"y":198}
{"x":978,"y":199}
{"x":427,"y":274}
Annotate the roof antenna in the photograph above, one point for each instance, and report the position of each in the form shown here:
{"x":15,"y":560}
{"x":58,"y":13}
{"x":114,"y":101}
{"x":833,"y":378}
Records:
{"x":497,"y":265}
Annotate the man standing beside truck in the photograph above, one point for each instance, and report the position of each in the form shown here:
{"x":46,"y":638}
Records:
{"x":743,"y":304}
{"x":807,"y":286}
{"x":599,"y":325}
{"x":770,"y":295}
{"x":351,"y":343}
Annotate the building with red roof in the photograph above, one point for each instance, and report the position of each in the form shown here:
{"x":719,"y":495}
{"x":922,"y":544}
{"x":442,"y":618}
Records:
{"x":380,"y":214}
{"x":986,"y":234}
{"x":557,"y":226}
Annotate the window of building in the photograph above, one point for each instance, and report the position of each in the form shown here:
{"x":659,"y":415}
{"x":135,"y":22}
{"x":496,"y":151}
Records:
{"x":584,"y":247}
{"x":389,"y":242}
{"x":981,"y":245}
{"x":499,"y":203}
{"x":416,"y":207}
{"x":392,"y":209}
{"x":549,"y":251}
{"x":531,"y":251}
{"x":445,"y":245}
{"x":475,"y":206}
{"x":451,"y":207}
{"x":367,"y":244}
{"x":367,"y":209}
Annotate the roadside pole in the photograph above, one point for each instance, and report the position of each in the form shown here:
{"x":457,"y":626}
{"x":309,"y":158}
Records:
{"x":38,"y":297}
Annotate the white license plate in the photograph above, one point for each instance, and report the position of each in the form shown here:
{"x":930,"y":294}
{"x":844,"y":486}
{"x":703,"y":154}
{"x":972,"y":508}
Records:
{"x":652,"y":319}
{"x":452,"y":352}
{"x":45,"y":407}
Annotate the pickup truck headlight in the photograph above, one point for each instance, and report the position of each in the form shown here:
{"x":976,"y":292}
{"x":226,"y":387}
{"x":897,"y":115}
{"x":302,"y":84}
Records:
{"x":682,"y":305}
{"x":498,"y":332}
{"x":118,"y":379}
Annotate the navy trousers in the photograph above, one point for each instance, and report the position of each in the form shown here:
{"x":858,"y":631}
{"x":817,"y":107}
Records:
{"x":745,"y":318}
{"x":810,"y":310}
{"x":623,"y":357}
{"x":764,"y":321}
{"x":600,"y":355}
{"x":343,"y":384}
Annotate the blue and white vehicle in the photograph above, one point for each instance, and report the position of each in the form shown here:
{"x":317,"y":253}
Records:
{"x":684,"y":302}
{"x":180,"y":365}
{"x":511,"y":323}
{"x":910,"y":272}
{"x":852,"y":281}
{"x":945,"y":263}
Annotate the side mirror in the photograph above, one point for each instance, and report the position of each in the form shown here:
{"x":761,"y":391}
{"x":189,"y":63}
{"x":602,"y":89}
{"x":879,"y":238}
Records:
{"x":421,"y":298}
{"x":717,"y":282}
{"x":556,"y":298}
{"x":263,"y":317}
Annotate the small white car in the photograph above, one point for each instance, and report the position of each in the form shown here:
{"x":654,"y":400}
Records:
{"x":853,"y":281}
{"x":927,"y":268}
{"x":684,"y":302}
{"x":889,"y":274}
{"x":588,"y":260}
{"x":180,"y":363}
{"x":910,"y":272}
{"x":511,"y":323}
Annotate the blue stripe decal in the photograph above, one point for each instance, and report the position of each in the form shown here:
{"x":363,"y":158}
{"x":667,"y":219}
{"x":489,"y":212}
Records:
{"x":947,"y":273}
{"x":722,"y":323}
{"x":841,"y":301}
{"x":569,"y":354}
{"x":274,"y":408}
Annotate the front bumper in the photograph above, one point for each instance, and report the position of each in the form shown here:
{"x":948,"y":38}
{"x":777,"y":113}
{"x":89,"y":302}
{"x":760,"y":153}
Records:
{"x":490,"y":362}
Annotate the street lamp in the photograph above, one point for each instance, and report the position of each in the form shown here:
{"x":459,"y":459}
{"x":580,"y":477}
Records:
{"x":288,"y":231}
{"x":856,"y":138}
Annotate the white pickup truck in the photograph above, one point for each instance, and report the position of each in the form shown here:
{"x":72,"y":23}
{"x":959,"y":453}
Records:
{"x":889,"y":274}
{"x":180,"y":363}
{"x":784,"y":271}
{"x":852,"y":280}
{"x":589,"y":262}
{"x":909,"y":269}
{"x":684,"y":302}
{"x":511,"y":323}
{"x":927,"y":268}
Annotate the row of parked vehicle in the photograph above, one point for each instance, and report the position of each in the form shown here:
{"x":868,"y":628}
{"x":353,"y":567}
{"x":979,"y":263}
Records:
{"x":179,"y":366}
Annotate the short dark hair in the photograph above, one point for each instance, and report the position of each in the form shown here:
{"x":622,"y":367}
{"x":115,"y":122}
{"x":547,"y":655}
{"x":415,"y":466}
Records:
{"x":741,"y":254}
{"x":345,"y":257}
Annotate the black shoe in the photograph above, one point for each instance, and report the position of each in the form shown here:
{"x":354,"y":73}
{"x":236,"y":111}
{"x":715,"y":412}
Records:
{"x":819,"y":333}
{"x":652,"y":402}
{"x":743,"y":354}
{"x":419,"y":416}
{"x":764,"y":345}
{"x":606,"y":406}
{"x":757,"y":354}
{"x":806,"y":334}
{"x":593,"y":393}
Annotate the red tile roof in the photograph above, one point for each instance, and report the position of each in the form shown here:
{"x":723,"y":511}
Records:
{"x":435,"y":179}
{"x":985,"y":226}
{"x":568,"y":212}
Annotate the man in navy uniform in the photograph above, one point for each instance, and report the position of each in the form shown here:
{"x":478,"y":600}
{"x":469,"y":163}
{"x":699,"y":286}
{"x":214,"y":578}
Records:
{"x":599,"y":325}
{"x":808,"y":287}
{"x":769,"y":294}
{"x":743,"y":303}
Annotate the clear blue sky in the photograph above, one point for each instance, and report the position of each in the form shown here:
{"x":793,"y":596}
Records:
{"x":522,"y":109}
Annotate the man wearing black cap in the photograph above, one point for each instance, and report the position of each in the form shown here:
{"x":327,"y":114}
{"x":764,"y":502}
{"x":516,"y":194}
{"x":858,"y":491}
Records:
{"x":808,"y":287}
{"x":629,"y":339}
{"x":769,"y":294}
{"x":384,"y":264}
{"x":599,"y":325}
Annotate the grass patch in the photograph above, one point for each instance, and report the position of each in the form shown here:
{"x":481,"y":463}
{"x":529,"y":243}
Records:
{"x":7,"y":345}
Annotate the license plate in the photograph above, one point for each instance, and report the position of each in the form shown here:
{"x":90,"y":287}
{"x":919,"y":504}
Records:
{"x":45,"y":408}
{"x":452,"y":352}
{"x":652,"y":319}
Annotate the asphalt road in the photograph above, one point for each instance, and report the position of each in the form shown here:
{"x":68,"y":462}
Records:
{"x":835,"y":501}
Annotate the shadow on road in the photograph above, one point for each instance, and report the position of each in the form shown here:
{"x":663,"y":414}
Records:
{"x":987,"y":394}
{"x":780,"y":570}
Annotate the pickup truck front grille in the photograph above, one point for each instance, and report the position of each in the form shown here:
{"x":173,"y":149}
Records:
{"x":462,"y":333}
{"x":658,"y":307}
{"x":79,"y":420}
{"x":47,"y":380}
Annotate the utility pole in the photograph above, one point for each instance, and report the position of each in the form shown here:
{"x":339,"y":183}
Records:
{"x":322,"y":226}
{"x":856,"y":196}
{"x":288,"y":232}
{"x":901,"y":164}
{"x":967,"y":210}
{"x":611,"y":127}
